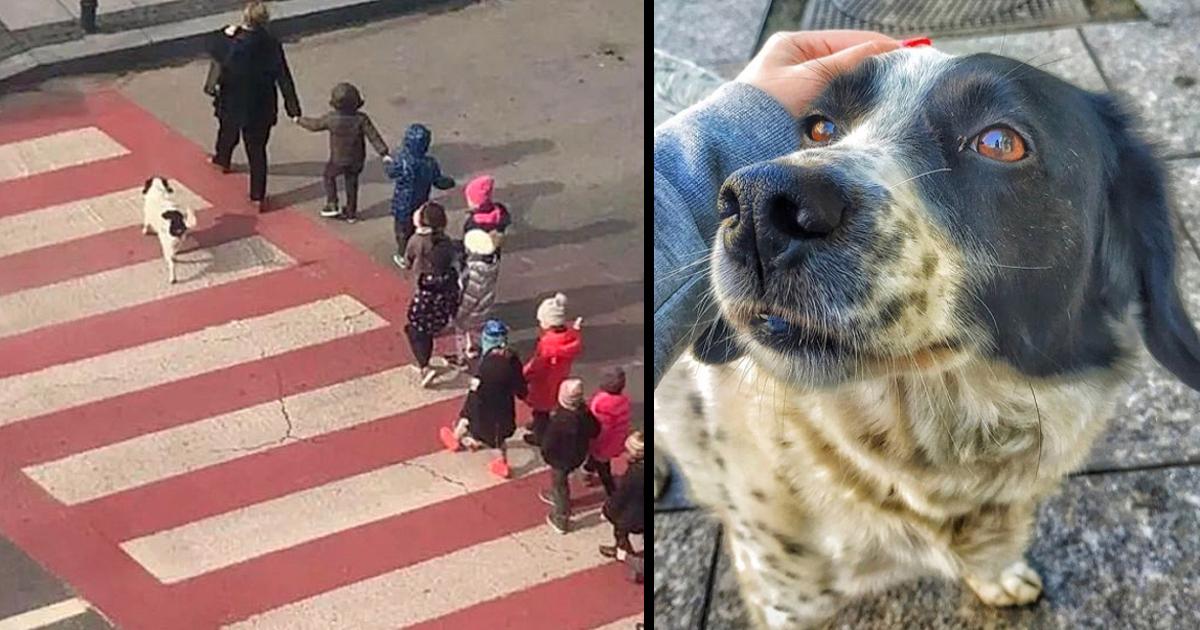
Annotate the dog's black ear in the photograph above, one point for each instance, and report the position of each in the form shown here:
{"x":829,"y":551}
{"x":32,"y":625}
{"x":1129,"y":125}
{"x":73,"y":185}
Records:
{"x":147,"y":185}
{"x":1143,"y":220}
{"x":167,"y":185}
{"x":717,"y":344}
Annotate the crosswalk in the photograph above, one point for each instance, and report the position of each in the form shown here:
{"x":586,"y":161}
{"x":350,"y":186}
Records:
{"x":246,"y":448}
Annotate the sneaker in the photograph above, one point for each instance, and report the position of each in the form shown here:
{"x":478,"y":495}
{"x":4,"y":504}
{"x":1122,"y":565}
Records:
{"x":499,"y":467}
{"x":449,"y":439}
{"x":349,"y":219}
{"x":330,"y":212}
{"x":530,"y":439}
{"x":400,"y":261}
{"x":544,"y":495}
{"x":562,"y":529}
{"x":427,"y":376}
{"x":608,"y":551}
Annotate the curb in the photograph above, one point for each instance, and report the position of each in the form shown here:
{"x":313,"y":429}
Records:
{"x":159,"y":45}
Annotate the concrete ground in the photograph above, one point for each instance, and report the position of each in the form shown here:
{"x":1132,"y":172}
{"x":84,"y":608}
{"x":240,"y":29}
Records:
{"x":1119,"y":546}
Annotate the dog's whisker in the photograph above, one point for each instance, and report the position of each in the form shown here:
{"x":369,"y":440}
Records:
{"x":918,"y":176}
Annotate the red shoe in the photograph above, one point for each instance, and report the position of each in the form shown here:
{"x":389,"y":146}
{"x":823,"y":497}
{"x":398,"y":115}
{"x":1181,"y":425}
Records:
{"x":499,"y":467}
{"x":449,"y":439}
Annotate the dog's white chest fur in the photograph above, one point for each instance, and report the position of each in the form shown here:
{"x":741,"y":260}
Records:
{"x":827,"y":495}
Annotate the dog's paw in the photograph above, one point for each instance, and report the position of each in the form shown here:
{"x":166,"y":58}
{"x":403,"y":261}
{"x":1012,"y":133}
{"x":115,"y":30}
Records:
{"x":1017,"y":585}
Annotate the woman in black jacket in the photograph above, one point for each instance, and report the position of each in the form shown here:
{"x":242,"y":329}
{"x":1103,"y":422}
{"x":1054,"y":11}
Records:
{"x":248,"y":65}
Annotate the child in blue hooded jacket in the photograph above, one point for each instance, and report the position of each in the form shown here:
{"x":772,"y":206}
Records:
{"x":415,"y":173}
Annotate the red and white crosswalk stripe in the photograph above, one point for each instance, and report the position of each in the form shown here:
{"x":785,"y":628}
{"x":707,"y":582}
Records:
{"x":246,"y":448}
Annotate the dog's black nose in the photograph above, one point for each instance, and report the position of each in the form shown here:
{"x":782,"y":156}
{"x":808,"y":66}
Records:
{"x":789,"y":210}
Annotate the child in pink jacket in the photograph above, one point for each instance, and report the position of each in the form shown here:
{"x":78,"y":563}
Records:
{"x":611,"y":407}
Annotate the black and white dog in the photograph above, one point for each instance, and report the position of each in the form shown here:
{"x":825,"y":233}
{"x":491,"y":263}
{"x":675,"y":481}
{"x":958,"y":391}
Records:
{"x":162,"y":216}
{"x":925,"y":313}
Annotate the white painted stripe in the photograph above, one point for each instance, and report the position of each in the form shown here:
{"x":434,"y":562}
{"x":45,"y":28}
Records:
{"x":219,"y":541}
{"x":58,"y":224}
{"x":46,"y":615}
{"x":628,"y":623}
{"x":69,"y":384}
{"x":56,"y":151}
{"x":183,"y":449}
{"x":443,"y":585}
{"x":137,"y":284}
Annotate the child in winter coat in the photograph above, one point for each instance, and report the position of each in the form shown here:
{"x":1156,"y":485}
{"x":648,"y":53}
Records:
{"x":347,"y":127}
{"x":489,"y":415}
{"x":483,"y":213}
{"x":433,"y":304}
{"x":480,"y":274}
{"x":626,"y":508}
{"x":557,"y":347}
{"x":564,"y":447}
{"x":430,"y":232}
{"x":415,"y":173}
{"x":611,"y":407}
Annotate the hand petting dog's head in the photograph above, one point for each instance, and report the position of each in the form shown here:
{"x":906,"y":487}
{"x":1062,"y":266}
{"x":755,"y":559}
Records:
{"x":945,"y":209}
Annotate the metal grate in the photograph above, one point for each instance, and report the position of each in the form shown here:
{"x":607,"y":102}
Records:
{"x":936,"y":17}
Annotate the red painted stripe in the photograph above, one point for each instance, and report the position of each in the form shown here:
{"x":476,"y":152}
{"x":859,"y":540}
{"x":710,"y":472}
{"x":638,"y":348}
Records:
{"x":88,"y":426}
{"x":579,"y":601}
{"x":170,"y":317}
{"x":51,"y":114}
{"x":105,"y":251}
{"x":369,"y":550}
{"x":102,"y":574}
{"x":280,"y":471}
{"x":72,"y":183}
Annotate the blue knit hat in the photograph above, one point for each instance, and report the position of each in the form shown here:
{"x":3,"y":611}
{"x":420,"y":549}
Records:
{"x":493,"y":335}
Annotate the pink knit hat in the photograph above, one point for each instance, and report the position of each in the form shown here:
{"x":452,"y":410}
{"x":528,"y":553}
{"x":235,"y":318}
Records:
{"x":479,"y":190}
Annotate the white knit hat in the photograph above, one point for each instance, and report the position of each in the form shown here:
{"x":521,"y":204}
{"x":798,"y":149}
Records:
{"x":553,"y":311}
{"x":479,"y":243}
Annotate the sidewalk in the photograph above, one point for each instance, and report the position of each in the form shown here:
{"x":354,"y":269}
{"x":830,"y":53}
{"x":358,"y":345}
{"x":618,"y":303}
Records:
{"x":1120,"y":546}
{"x":42,"y":38}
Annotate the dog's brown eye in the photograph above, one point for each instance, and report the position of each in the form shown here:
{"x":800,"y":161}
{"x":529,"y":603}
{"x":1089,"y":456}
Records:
{"x":821,"y":129}
{"x":1000,"y":143}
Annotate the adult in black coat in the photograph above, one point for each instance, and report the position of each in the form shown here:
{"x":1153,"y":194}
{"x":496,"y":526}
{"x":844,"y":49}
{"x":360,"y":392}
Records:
{"x":564,"y":446}
{"x":247,"y":73}
{"x":626,"y":508}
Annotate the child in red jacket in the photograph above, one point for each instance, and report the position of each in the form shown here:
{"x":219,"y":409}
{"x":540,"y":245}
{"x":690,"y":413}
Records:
{"x":612,"y":409}
{"x":551,"y":362}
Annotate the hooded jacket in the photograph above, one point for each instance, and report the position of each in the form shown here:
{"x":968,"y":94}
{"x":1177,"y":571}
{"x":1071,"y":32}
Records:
{"x":612,"y":411}
{"x":626,"y":508}
{"x":550,"y":365}
{"x":247,"y":66}
{"x":347,"y":129}
{"x":415,"y":173}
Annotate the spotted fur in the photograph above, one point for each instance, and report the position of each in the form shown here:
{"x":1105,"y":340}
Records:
{"x":894,"y":397}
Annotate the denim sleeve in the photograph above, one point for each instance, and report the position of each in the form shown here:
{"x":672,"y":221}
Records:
{"x":694,"y":152}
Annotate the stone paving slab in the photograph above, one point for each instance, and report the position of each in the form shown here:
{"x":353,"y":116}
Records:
{"x":682,"y":567}
{"x":1060,"y":52}
{"x":709,"y":31}
{"x":1165,"y":11}
{"x":1114,"y":551}
{"x":1157,"y":69}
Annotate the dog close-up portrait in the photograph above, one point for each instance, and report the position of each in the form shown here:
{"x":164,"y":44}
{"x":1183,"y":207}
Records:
{"x":925,"y":316}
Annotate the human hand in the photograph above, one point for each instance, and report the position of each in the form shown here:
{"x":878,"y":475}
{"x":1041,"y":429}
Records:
{"x":794,"y":67}
{"x":578,"y":323}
